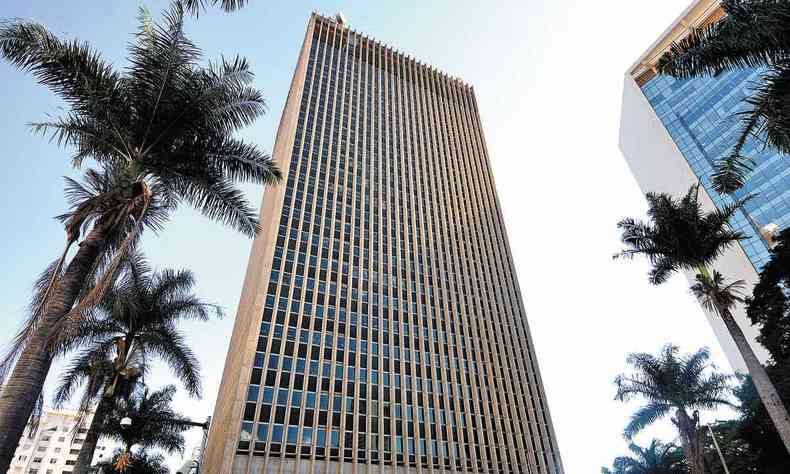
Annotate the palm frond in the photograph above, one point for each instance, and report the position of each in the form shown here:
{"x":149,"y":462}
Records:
{"x":43,"y":288}
{"x":196,"y":7}
{"x":170,"y":346}
{"x":220,"y":200}
{"x":730,"y":173}
{"x":644,"y":417}
{"x":243,"y":162}
{"x":750,"y":35}
{"x":91,"y":368}
{"x":72,"y":70}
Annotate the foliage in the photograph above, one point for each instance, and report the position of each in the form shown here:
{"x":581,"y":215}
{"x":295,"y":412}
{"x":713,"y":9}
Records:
{"x":679,"y":234}
{"x":752,"y":34}
{"x":769,"y":306}
{"x":750,"y":443}
{"x":657,"y":458}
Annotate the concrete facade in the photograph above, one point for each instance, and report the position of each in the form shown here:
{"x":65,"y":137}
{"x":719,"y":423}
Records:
{"x":380,"y":327}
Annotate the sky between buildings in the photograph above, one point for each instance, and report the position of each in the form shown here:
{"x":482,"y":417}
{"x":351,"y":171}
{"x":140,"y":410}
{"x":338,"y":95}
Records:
{"x":548,"y":77}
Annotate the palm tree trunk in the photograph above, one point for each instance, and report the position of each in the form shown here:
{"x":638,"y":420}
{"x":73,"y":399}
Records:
{"x":691,"y":441}
{"x":85,"y":457}
{"x":765,"y":388}
{"x":23,"y":387}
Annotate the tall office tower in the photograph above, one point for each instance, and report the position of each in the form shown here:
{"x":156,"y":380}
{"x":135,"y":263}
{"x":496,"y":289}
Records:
{"x":380,"y":327}
{"x":673,"y":131}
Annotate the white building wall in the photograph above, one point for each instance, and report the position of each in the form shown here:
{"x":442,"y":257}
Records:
{"x":658,"y":166}
{"x":53,"y":449}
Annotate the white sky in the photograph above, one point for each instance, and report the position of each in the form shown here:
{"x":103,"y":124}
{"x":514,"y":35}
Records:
{"x":548,"y":78}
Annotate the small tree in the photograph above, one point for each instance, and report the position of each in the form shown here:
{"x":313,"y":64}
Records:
{"x":676,"y":386}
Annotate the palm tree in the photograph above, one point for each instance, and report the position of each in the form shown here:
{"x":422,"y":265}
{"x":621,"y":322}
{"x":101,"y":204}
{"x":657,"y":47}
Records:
{"x":681,"y":236}
{"x":161,"y":133}
{"x":140,"y":463}
{"x":671,"y":384}
{"x":753,"y":33}
{"x":151,"y":424}
{"x":658,"y":458}
{"x":135,"y":322}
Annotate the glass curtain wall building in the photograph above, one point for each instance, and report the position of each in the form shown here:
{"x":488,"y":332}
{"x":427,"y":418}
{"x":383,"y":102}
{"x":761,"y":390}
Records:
{"x":672,"y":133}
{"x":381,"y":326}
{"x":700,"y":115}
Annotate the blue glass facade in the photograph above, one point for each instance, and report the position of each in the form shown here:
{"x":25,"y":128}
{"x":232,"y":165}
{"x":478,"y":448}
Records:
{"x":700,"y":115}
